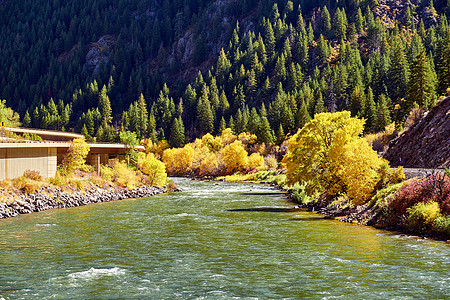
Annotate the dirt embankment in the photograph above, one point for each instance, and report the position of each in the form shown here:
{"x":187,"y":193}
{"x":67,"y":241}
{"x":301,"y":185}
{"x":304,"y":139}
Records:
{"x":427,"y":143}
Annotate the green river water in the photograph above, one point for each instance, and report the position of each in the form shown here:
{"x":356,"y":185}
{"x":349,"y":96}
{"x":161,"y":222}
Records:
{"x":212,"y":241}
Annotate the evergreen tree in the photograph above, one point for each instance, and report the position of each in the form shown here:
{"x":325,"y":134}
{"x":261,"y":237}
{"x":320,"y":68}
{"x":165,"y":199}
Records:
{"x":265,"y":133}
{"x":177,"y":136}
{"x":231,"y":124}
{"x":26,"y":122}
{"x":398,"y":72}
{"x":325,"y":20}
{"x":254,"y":122}
{"x":340,"y":24}
{"x":222,"y":125}
{"x":269,"y":38}
{"x":360,"y":21}
{"x":302,"y":116}
{"x":280,"y":134}
{"x":142,"y":116}
{"x":444,"y":64}
{"x":205,"y":116}
{"x":421,"y":88}
{"x":105,"y":107}
{"x":319,"y":107}
{"x":371,"y":113}
{"x":383,"y":114}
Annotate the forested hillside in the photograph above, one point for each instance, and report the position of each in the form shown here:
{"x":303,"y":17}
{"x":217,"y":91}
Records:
{"x":179,"y":69}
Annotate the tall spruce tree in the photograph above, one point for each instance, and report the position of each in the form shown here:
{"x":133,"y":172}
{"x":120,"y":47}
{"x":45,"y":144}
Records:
{"x":421,"y":88}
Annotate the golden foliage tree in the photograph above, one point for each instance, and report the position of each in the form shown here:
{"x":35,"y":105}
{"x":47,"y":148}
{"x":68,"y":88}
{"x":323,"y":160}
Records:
{"x":329,"y":155}
{"x":179,"y":161}
{"x":76,"y":155}
{"x":155,"y":170}
{"x":235,"y":157}
{"x":255,"y":161}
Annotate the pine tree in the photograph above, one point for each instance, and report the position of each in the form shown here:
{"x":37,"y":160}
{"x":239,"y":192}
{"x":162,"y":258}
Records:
{"x":177,"y":136}
{"x":319,"y":107}
{"x":407,"y":18}
{"x":222,"y":125}
{"x":398,"y":72}
{"x":360,"y":21}
{"x":205,"y":116}
{"x":85,"y":132}
{"x":280,"y":134}
{"x":231,"y":124}
{"x":265,"y":132}
{"x":302,"y":116}
{"x":142,"y":117}
{"x":325,"y":20}
{"x":371,"y":113}
{"x":322,"y":50}
{"x":269,"y":38}
{"x":254,"y":122}
{"x":340,"y":24}
{"x":105,"y":107}
{"x":421,"y":88}
{"x":383,"y":115}
{"x":357,"y":102}
{"x":444,"y":65}
{"x":26,"y":122}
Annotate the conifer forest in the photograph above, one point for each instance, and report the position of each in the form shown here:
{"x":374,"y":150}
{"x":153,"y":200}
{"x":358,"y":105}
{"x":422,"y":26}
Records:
{"x":176,"y":70}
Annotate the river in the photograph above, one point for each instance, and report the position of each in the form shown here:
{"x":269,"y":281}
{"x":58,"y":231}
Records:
{"x":212,"y":241}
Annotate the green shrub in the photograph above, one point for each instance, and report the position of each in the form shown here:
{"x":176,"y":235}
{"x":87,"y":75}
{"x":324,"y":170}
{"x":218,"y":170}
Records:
{"x":299,"y":194}
{"x":422,"y":216}
{"x":442,"y":226}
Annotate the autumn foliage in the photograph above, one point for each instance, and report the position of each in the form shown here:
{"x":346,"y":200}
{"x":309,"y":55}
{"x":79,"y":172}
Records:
{"x":215,"y":155}
{"x":329,"y":154}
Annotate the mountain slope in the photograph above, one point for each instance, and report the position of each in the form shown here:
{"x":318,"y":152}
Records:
{"x":427,"y":144}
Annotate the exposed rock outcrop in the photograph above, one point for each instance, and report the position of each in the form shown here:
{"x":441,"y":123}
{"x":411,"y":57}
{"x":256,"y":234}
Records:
{"x":427,"y":143}
{"x":99,"y":52}
{"x":48,"y":198}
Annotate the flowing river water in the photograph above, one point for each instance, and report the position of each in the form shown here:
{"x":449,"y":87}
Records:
{"x":212,"y":241}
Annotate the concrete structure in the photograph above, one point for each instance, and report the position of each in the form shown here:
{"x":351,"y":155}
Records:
{"x":47,"y":135}
{"x":18,"y":156}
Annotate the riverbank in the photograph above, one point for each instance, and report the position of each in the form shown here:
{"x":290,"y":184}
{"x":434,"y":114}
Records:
{"x":51,"y":197}
{"x":385,"y":210}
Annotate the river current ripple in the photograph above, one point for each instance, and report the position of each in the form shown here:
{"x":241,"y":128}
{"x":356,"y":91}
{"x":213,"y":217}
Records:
{"x":212,"y":241}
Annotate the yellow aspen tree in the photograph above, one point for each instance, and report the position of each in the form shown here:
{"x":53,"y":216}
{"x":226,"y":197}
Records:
{"x":255,"y":161}
{"x":155,"y":170}
{"x":329,"y":155}
{"x":234,"y":156}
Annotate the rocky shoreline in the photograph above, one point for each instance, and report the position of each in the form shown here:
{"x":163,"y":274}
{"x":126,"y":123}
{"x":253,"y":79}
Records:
{"x":49,"y":198}
{"x":362,"y":215}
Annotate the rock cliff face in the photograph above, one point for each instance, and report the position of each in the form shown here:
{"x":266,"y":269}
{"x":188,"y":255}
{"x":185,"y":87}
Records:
{"x":427,"y":144}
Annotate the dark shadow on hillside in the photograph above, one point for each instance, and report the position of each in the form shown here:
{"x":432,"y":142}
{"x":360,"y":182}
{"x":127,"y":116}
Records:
{"x":267,"y":209}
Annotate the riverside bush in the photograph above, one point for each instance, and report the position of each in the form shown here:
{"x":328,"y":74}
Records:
{"x":422,"y":216}
{"x":432,"y":188}
{"x":299,"y":194}
{"x":442,"y":226}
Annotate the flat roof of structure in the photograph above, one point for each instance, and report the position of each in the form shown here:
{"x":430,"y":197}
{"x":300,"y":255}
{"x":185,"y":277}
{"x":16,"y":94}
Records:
{"x":37,"y":144}
{"x":47,"y":133}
